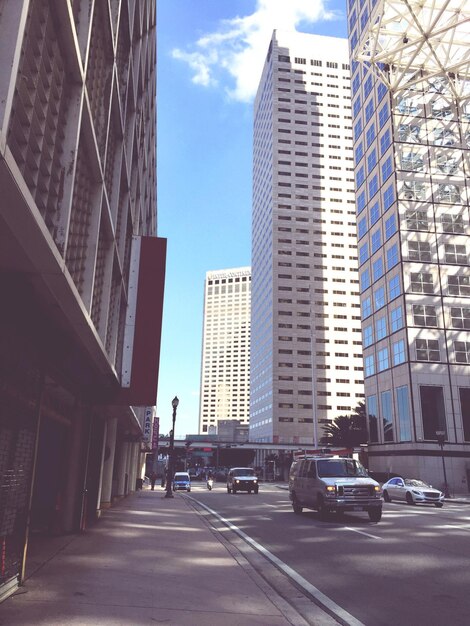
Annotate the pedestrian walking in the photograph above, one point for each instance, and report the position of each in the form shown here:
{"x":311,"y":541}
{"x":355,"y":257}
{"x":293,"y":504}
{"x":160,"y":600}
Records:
{"x":153,"y":478}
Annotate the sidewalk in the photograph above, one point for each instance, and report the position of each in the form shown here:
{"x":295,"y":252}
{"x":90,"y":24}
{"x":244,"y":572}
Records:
{"x":148,"y":560}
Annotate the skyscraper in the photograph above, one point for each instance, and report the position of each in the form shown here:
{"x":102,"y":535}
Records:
{"x":225,"y":369}
{"x":411,"y":115}
{"x":306,"y":356}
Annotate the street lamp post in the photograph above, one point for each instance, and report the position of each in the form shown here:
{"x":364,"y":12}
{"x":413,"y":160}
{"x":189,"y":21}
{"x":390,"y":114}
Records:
{"x":441,"y":435}
{"x":169,"y":476}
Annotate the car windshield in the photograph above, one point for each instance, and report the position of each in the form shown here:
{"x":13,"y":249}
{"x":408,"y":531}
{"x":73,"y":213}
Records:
{"x":413,"y":482}
{"x":333,"y":468}
{"x":243,"y":472}
{"x":181,"y":477}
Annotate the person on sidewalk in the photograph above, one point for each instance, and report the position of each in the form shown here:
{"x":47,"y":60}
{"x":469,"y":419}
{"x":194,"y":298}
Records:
{"x":153,"y":478}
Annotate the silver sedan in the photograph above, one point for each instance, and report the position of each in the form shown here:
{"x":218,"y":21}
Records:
{"x":412,"y":491}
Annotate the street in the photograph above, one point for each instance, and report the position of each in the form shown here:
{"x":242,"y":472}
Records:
{"x":411,"y":568}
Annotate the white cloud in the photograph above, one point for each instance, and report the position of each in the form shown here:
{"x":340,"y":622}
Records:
{"x":239,"y":46}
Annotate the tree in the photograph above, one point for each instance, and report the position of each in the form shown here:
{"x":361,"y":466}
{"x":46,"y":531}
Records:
{"x":347,"y":430}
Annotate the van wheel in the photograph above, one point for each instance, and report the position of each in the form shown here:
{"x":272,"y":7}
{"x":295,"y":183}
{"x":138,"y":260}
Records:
{"x":375,"y":514}
{"x":234,"y":491}
{"x":321,"y":508}
{"x":228,"y":489}
{"x":256,"y":489}
{"x":296,"y":506}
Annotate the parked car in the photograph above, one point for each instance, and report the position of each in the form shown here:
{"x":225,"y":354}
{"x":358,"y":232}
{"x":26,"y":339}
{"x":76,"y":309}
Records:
{"x":412,"y":491}
{"x":329,"y":483}
{"x":242,"y":479}
{"x":181,"y":481}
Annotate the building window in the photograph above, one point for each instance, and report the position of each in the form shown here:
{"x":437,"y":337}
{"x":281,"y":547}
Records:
{"x":377,"y":269}
{"x":448,"y":193}
{"x":417,"y":220}
{"x":399,"y":352}
{"x":362,"y":227}
{"x":409,"y":133}
{"x":444,"y":137}
{"x":379,"y":298}
{"x":381,"y":328}
{"x":413,"y":190}
{"x":459,"y":285}
{"x":365,"y":279}
{"x":387,"y":413}
{"x":447,"y":164}
{"x":419,"y":251}
{"x":371,"y":160}
{"x":427,"y":350}
{"x":455,"y":254}
{"x":460,"y":317}
{"x":392,"y":256}
{"x":390,"y":226}
{"x":382,"y":360}
{"x":372,"y":416}
{"x":394,"y":287}
{"x":388,"y":197}
{"x":424,"y":315}
{"x":373,"y":186}
{"x":366,"y":307}
{"x":387,"y":168}
{"x":452,"y":223}
{"x":396,"y":318}
{"x":432,"y":410}
{"x":403,"y":413}
{"x":464,"y":393}
{"x":363,"y":253}
{"x":369,"y":365}
{"x":383,"y":115}
{"x":422,"y":282}
{"x":385,"y":141}
{"x":370,"y":134}
{"x":412,"y":162}
{"x":361,"y":202}
{"x":368,"y":336}
{"x":462,"y":351}
{"x":376,"y":240}
{"x":374,"y":213}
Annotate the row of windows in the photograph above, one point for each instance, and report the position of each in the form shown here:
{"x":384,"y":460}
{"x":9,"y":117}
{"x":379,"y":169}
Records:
{"x":418,"y":219}
{"x":423,"y":316}
{"x":426,"y":350}
{"x":283,"y":58}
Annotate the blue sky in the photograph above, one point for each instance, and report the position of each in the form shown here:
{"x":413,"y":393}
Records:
{"x":209,"y":60}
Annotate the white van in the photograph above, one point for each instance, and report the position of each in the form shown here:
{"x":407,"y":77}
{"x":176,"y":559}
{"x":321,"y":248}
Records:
{"x":333,"y":483}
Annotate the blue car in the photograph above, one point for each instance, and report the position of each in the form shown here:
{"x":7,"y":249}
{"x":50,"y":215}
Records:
{"x":181,"y":481}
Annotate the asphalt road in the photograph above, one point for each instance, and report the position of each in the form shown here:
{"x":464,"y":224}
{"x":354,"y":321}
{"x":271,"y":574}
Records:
{"x":411,"y":568}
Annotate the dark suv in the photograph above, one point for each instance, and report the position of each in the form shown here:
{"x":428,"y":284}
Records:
{"x":242,"y":479}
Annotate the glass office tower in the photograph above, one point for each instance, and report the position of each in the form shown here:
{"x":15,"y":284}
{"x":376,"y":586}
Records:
{"x":411,"y":132}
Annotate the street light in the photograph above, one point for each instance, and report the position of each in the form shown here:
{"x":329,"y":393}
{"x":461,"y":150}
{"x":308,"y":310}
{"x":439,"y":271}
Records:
{"x":169,"y":476}
{"x":441,"y":436}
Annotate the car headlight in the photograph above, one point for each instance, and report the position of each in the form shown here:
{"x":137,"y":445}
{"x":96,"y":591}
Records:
{"x":416,"y":492}
{"x":237,"y":481}
{"x":330,"y":489}
{"x":255,"y":480}
{"x":377,"y":488}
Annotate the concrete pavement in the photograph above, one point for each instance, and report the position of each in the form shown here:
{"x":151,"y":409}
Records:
{"x":148,"y":560}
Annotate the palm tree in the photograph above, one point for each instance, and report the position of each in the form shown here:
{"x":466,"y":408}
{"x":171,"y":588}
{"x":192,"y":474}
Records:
{"x":347,"y":430}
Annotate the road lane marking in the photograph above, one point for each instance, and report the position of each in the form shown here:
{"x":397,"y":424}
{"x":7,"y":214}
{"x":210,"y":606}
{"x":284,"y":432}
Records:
{"x":320,"y":598}
{"x":356,"y":530}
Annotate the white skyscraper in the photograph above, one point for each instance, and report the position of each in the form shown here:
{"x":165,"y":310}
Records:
{"x":306,"y":355}
{"x":225,"y":370}
{"x":411,"y":110}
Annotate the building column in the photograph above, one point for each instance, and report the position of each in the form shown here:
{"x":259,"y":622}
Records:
{"x":121,"y":469}
{"x":73,"y":492}
{"x":109,"y":454}
{"x":101,"y":468}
